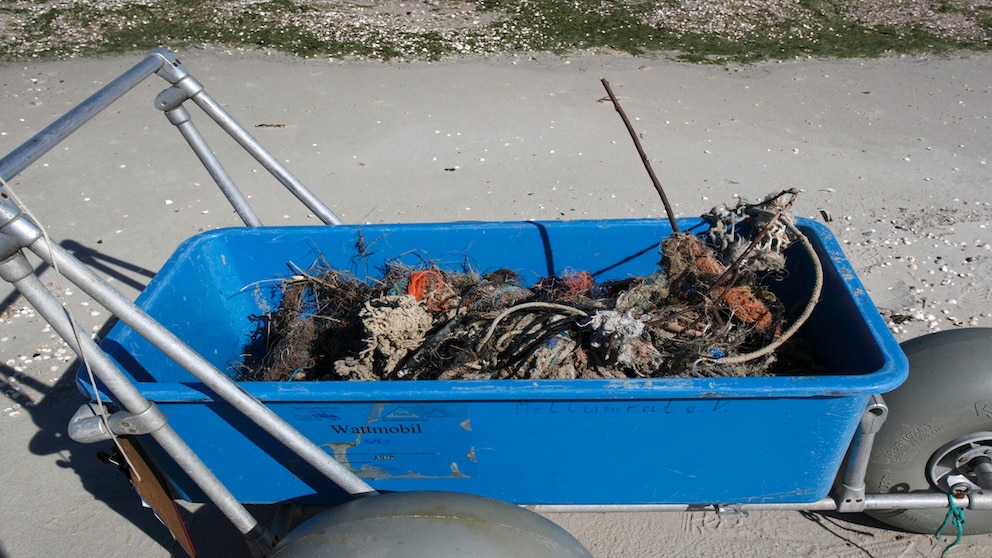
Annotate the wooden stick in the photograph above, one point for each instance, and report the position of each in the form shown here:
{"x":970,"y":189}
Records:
{"x":644,"y":157}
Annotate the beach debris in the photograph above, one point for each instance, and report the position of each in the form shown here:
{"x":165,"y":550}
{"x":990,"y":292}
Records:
{"x":704,"y":312}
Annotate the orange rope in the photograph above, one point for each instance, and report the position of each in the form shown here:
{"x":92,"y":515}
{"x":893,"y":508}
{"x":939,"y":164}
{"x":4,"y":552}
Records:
{"x":421,"y":281}
{"x":578,"y":283}
{"x":746,"y":306}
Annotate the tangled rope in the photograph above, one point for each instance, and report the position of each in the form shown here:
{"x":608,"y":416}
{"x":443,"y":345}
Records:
{"x":703,"y":312}
{"x":814,"y":297}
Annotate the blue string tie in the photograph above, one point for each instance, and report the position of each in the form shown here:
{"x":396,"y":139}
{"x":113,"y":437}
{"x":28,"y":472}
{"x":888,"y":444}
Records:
{"x":956,"y":516}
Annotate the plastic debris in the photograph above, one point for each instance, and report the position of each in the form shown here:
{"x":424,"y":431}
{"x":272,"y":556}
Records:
{"x":704,"y":312}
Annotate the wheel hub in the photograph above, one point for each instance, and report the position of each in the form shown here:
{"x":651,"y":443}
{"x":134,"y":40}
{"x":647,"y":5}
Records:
{"x":963,"y":465}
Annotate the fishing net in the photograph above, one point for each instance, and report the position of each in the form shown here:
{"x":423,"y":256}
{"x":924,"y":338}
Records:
{"x":705,"y":312}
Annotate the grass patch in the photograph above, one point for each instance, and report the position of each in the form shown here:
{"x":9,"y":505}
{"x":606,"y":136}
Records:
{"x":567,"y":26}
{"x":731,"y":31}
{"x":839,"y":40}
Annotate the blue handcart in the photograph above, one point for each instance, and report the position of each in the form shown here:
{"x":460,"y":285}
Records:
{"x":161,"y":381}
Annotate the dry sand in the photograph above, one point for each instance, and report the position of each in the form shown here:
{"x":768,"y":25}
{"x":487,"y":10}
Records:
{"x":894,"y":152}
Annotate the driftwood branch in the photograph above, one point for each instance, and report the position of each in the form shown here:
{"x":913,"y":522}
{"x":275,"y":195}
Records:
{"x":644,"y":157}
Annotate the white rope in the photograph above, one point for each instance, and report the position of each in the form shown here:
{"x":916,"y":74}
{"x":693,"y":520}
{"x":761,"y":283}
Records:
{"x":524,"y":306}
{"x":813,"y":299}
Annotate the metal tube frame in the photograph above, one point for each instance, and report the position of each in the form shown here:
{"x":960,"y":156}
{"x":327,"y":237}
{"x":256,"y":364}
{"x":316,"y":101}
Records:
{"x":177,"y":114}
{"x":17,"y":233}
{"x":924,"y":500}
{"x":186,"y":86}
{"x":27,"y":234}
{"x":16,"y":269}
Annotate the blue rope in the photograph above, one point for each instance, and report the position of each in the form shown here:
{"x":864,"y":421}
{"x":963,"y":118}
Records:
{"x":956,"y":516}
{"x":297,"y":371}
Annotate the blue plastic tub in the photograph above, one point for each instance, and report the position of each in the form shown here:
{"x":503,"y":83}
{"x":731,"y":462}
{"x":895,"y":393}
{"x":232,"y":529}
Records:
{"x":698,"y":441}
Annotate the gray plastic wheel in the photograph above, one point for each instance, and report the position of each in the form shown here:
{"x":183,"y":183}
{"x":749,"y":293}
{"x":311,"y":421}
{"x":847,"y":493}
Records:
{"x":429,"y":525}
{"x":941,"y":416}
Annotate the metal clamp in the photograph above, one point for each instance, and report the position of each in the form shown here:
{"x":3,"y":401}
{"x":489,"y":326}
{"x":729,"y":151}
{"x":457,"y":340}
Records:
{"x":87,"y":425}
{"x":851,"y":498}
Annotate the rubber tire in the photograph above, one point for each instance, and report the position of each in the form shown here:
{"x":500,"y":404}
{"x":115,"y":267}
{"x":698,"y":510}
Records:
{"x":429,"y":524}
{"x":948,"y":395}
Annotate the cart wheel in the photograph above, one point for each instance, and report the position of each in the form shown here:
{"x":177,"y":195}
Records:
{"x":938,"y":435}
{"x":435,"y":524}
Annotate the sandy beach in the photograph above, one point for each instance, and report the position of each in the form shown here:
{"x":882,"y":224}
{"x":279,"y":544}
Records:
{"x":890,"y":154}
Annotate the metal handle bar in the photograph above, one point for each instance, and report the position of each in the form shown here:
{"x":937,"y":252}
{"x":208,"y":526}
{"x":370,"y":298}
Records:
{"x":164,"y":63}
{"x":29,"y":151}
